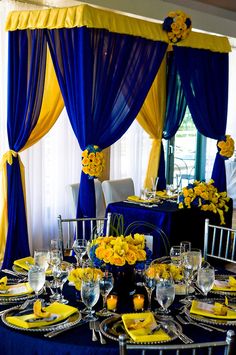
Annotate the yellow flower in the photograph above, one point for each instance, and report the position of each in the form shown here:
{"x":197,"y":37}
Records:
{"x":226,"y":148}
{"x":85,"y":153}
{"x":131,"y":257}
{"x":85,"y":161}
{"x":117,"y":260}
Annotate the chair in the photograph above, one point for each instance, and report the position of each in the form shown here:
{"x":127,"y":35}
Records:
{"x":100,"y":203}
{"x":117,"y":190}
{"x":81,"y":228}
{"x":224,"y":347}
{"x":219,"y":243}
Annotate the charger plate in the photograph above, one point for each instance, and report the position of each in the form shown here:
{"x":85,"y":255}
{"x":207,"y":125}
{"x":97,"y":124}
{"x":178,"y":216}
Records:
{"x":4,"y":300}
{"x":208,"y":320}
{"x":112,"y":327}
{"x":65,"y":323}
{"x":221,"y":292}
{"x":19,"y":270}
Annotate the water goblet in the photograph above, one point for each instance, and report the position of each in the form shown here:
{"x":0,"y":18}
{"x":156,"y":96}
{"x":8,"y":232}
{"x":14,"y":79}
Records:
{"x":175,"y":254}
{"x":149,"y":284}
{"x":165,"y":293}
{"x":36,"y":278}
{"x":191,"y":261}
{"x":185,"y":246}
{"x":90,"y":292}
{"x":206,"y":279}
{"x":55,"y":260}
{"x":80,"y":249}
{"x":61,"y":273}
{"x":42,"y":258}
{"x":106,"y":284}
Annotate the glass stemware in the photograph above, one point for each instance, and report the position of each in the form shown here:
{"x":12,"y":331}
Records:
{"x":185,"y":246}
{"x":191,"y":262}
{"x":175,"y":254}
{"x":165,"y":293}
{"x":42,"y":258}
{"x":80,"y":249}
{"x":206,"y":279}
{"x":149,"y":284}
{"x":55,"y":260}
{"x":90,"y":292}
{"x":36,"y":278}
{"x":106,"y":284}
{"x":60,"y":274}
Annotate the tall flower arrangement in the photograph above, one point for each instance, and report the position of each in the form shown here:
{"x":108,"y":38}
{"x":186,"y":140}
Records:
{"x":93,"y":161}
{"x":205,"y":196}
{"x":177,"y":25}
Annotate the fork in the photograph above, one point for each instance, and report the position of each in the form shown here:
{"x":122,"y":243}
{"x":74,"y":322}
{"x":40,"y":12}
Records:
{"x":210,"y":328}
{"x":97,"y":329}
{"x":92,"y":327}
{"x":20,"y":308}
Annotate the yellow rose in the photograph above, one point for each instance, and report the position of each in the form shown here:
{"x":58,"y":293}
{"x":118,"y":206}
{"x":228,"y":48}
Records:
{"x":141,"y":255}
{"x":85,"y":161}
{"x":108,"y":253}
{"x":130,"y":257}
{"x":85,"y":153}
{"x":117,"y":260}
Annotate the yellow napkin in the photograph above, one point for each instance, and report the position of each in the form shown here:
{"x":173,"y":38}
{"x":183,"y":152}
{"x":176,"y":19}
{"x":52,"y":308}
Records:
{"x":139,"y":325}
{"x":139,"y":200}
{"x":3,"y":283}
{"x":62,"y":311}
{"x":17,"y":290}
{"x":27,"y":263}
{"x":226,"y":285}
{"x":209,"y":310}
{"x":40,"y":312}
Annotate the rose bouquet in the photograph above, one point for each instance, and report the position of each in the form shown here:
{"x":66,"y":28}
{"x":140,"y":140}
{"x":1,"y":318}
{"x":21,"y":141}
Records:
{"x":77,"y":275}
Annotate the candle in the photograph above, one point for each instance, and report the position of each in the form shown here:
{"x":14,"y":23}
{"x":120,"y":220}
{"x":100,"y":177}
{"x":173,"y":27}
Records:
{"x":112,"y":302}
{"x":138,"y":301}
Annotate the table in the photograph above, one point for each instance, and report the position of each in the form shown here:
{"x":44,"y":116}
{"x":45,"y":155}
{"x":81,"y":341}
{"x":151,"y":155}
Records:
{"x":178,"y":224}
{"x":78,"y":340}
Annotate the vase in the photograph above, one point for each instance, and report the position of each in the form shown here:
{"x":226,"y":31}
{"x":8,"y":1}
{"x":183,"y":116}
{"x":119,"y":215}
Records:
{"x":124,"y":281}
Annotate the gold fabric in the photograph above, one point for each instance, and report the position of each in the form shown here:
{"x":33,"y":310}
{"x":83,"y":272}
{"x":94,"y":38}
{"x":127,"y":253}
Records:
{"x":151,"y":118}
{"x":85,"y":15}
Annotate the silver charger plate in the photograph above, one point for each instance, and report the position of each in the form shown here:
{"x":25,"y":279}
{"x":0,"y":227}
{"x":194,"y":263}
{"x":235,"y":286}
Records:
{"x":65,"y":323}
{"x":19,"y":270}
{"x":113,"y":326}
{"x":209,"y":320}
{"x":4,"y":300}
{"x":223,"y":293}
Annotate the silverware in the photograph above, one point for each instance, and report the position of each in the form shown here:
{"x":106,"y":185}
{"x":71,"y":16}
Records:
{"x":10,"y":272}
{"x":208,"y":327}
{"x":45,"y":319}
{"x":20,"y":307}
{"x":97,"y":329}
{"x":169,"y":327}
{"x":54,"y":333}
{"x":92,"y":327}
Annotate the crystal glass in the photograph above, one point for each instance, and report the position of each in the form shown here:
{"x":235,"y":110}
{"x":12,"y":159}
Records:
{"x":90,"y":292}
{"x":206,"y":279}
{"x":191,"y":261}
{"x":185,"y":246}
{"x":106,"y":284}
{"x":55,"y":260}
{"x":36,"y":278}
{"x":175,"y":254}
{"x":80,"y":249}
{"x":149,"y":284}
{"x":42,"y":258}
{"x":165,"y":293}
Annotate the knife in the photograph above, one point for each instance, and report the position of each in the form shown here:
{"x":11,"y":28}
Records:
{"x":54,"y":333}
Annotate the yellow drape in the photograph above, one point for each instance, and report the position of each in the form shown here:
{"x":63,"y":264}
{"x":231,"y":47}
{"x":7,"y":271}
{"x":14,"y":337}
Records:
{"x":52,"y":105}
{"x":85,"y":15}
{"x":151,"y":118}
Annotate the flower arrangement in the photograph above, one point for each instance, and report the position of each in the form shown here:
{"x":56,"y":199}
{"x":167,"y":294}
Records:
{"x":119,"y":251}
{"x":93,"y":161}
{"x":226,"y":147}
{"x":158,"y":271}
{"x":206,"y":197}
{"x":77,"y":275}
{"x":177,"y":25}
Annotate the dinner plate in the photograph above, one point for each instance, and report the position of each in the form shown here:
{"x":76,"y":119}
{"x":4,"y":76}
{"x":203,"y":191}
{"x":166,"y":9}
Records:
{"x":4,"y":300}
{"x":113,"y":326}
{"x":65,"y":323}
{"x":224,"y":293}
{"x":208,"y":320}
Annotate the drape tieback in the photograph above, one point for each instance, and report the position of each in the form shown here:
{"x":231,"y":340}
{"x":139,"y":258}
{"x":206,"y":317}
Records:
{"x":8,"y":157}
{"x":93,"y":161}
{"x":177,"y":25}
{"x":226,"y":147}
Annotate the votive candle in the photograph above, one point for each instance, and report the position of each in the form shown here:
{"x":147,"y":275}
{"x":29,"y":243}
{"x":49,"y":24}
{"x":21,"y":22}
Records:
{"x":112,"y":302}
{"x":138,"y":301}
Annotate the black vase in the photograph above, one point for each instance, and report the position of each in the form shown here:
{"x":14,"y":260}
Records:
{"x":124,"y":281}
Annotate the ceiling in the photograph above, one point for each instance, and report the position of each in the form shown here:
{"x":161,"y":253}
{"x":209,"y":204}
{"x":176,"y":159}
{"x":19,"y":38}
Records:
{"x":229,"y":5}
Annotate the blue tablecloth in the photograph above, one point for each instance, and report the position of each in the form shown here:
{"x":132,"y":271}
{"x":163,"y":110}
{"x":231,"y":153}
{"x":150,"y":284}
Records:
{"x":178,"y":224}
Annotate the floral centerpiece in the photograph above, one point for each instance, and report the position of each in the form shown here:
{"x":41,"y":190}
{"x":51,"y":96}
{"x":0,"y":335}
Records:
{"x":93,"y":161}
{"x":160,"y":270}
{"x":205,"y":196}
{"x":77,"y":275}
{"x":177,"y":25}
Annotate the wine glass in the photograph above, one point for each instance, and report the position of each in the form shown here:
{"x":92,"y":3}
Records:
{"x":90,"y":292}
{"x":185,"y":245}
{"x":80,"y":249}
{"x":36,"y":278}
{"x":42,"y":258}
{"x":175,"y":254}
{"x":60,"y":274}
{"x":55,"y":260}
{"x":106,"y":284}
{"x":149,"y":283}
{"x":206,"y":278}
{"x":165,"y":293}
{"x":191,"y":261}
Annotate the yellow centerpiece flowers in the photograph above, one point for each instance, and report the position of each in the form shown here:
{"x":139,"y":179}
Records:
{"x":177,"y":25}
{"x":88,"y":273}
{"x":204,"y":195}
{"x":93,"y":161}
{"x":226,"y":147}
{"x":159,"y":271}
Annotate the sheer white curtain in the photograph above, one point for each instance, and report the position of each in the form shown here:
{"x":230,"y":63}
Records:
{"x":50,"y":165}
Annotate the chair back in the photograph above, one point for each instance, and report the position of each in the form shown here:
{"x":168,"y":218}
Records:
{"x":117,"y":190}
{"x":224,"y":347}
{"x":70,"y":229}
{"x":100,"y":202}
{"x":219,"y":243}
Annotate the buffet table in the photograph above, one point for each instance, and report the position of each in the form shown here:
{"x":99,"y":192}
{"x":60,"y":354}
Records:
{"x":178,"y":224}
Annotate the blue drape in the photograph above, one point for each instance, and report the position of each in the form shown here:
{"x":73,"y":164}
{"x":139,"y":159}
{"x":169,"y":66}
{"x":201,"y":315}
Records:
{"x":204,"y":76}
{"x":104,"y":78}
{"x":26,"y":71}
{"x":175,"y":111}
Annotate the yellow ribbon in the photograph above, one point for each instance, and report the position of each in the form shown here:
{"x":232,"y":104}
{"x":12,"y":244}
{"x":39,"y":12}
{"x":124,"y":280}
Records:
{"x":8,"y":157}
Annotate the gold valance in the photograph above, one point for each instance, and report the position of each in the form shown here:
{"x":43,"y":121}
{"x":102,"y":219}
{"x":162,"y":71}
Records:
{"x":85,"y":15}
